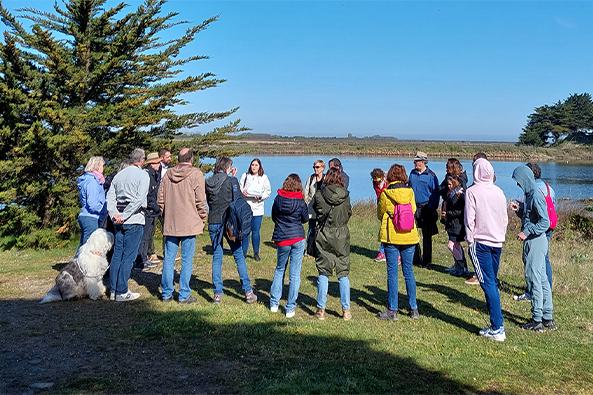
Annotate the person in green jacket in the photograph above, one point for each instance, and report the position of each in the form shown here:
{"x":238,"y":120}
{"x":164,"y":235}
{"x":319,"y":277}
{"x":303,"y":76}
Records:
{"x":333,"y":210}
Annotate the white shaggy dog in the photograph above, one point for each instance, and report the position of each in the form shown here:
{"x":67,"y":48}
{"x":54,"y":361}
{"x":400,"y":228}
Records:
{"x":83,"y":275}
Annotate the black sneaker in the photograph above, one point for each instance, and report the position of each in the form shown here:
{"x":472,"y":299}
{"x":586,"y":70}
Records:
{"x":535,"y":326}
{"x":256,"y":257}
{"x":388,"y":315}
{"x":549,"y":325}
{"x":190,"y":300}
{"x":414,"y":314}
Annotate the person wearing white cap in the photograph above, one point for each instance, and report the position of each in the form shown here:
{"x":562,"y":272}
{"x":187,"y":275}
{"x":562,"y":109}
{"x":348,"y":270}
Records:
{"x":426,"y":191}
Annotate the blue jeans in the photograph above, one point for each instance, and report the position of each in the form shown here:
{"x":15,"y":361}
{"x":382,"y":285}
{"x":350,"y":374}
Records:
{"x":295,"y":252}
{"x":87,"y":226}
{"x":392,"y":252}
{"x":255,"y":236}
{"x":216,"y":235}
{"x":322,"y":286}
{"x":188,"y":247}
{"x":486,"y":261}
{"x":381,"y":248}
{"x":125,"y":249}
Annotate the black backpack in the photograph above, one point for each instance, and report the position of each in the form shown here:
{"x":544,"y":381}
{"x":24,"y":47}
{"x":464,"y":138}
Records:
{"x":238,"y":216}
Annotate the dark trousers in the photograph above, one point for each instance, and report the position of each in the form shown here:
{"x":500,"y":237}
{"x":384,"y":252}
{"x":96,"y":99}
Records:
{"x":147,"y":236}
{"x":426,"y":220}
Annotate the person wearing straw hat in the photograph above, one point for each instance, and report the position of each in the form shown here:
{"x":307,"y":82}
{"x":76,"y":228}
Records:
{"x":152,"y":166}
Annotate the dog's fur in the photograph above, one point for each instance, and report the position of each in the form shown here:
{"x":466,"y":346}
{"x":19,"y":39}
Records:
{"x":83,"y":275}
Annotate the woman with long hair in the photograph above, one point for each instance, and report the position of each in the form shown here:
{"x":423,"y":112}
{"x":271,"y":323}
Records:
{"x":256,"y":188}
{"x":395,"y":203}
{"x":289,"y":213}
{"x":333,"y":210}
{"x":91,"y":197}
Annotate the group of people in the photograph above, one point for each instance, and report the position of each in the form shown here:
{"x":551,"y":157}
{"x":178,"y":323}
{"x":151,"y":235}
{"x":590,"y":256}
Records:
{"x":407,"y":206}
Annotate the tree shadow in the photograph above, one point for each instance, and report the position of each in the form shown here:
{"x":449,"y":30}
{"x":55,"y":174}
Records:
{"x":510,"y":289}
{"x":202,"y":355}
{"x":304,"y":301}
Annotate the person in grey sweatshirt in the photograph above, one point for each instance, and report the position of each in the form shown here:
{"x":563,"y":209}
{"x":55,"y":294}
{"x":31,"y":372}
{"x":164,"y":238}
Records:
{"x":534,"y":224}
{"x":126,"y":204}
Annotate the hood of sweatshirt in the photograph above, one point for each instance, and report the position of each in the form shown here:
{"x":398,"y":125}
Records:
{"x":483,"y":172}
{"x":334,"y":194}
{"x":179,"y":172}
{"x":214,"y":182}
{"x":85,"y":178}
{"x":524,"y":177}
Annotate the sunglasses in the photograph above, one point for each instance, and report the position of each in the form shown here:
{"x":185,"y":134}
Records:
{"x":318,"y":167}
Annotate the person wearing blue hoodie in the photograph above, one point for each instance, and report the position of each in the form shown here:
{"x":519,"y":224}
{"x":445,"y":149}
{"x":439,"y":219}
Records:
{"x":534,"y":225}
{"x":92,"y":198}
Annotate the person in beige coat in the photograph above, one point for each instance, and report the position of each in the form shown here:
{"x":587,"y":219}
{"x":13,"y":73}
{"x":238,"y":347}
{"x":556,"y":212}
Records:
{"x":182,"y":199}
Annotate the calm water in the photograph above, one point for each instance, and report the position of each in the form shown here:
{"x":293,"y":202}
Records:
{"x":568,"y":180}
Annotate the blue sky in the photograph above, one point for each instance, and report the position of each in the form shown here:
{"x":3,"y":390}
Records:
{"x":468,"y":70}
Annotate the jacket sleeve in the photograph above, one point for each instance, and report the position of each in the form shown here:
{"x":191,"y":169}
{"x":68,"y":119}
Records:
{"x":433,"y":200}
{"x":140,"y":199}
{"x":200,"y":195}
{"x":275,"y":210}
{"x":349,"y":207}
{"x":543,"y":223}
{"x":470,"y":217}
{"x":267,"y":188}
{"x":242,"y":181}
{"x":308,"y":190}
{"x":304,"y":212}
{"x":95,"y":197}
{"x":112,"y":202}
{"x":161,"y":196}
{"x":382,"y":206}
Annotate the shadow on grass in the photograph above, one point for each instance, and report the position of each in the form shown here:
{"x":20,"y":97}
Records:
{"x":263,"y":285}
{"x":466,"y":300}
{"x":193,"y":354}
{"x":363,"y":251}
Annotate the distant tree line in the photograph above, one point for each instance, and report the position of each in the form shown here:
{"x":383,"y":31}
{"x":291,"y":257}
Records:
{"x":568,"y":120}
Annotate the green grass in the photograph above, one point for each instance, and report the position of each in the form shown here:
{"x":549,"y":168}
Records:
{"x":245,"y":348}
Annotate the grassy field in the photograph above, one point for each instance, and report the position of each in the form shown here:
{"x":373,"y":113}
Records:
{"x":149,"y":346}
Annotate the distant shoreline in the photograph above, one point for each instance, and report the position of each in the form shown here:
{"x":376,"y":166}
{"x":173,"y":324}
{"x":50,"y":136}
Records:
{"x":385,"y":146}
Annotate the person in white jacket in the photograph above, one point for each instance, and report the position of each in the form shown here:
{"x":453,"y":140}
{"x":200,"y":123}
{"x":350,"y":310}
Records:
{"x":256,"y":188}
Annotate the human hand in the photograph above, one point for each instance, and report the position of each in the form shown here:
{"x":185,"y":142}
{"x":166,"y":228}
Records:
{"x":233,"y":171}
{"x":521,"y":236}
{"x":118,"y":219}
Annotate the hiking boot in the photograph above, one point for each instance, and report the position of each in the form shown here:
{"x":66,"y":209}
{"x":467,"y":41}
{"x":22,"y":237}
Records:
{"x":523,"y":297}
{"x":457,"y":272}
{"x":414,"y":314}
{"x":191,"y":299}
{"x":498,"y":335}
{"x":320,"y":314}
{"x":451,"y":268}
{"x":127,"y":297}
{"x":250,"y":297}
{"x":473,"y":280}
{"x":380,"y":257}
{"x":257,"y":258}
{"x":388,"y":315}
{"x":217,"y":298}
{"x":346,"y":315}
{"x":290,"y":314}
{"x":274,"y":309}
{"x":549,"y":325}
{"x":535,"y":326}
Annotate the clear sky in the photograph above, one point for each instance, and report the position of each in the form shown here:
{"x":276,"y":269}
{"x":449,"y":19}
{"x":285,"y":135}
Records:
{"x":469,"y":70}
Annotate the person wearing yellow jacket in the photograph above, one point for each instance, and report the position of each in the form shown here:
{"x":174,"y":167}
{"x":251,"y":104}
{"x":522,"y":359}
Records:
{"x":398,"y":243}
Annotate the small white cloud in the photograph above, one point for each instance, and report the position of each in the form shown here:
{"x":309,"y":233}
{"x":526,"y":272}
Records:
{"x":565,"y":23}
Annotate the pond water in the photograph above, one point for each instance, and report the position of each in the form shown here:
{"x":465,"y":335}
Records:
{"x":570,"y":181}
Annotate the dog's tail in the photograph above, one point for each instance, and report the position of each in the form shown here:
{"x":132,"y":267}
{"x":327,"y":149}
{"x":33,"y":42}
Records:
{"x":53,"y":295}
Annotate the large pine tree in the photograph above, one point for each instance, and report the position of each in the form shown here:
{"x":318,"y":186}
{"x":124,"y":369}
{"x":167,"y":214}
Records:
{"x":86,"y":79}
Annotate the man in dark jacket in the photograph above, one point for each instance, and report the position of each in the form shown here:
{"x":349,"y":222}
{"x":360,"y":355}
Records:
{"x":221,"y":189}
{"x":152,"y":212}
{"x":426,"y":192}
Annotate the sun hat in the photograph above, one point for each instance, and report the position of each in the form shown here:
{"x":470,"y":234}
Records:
{"x":151,"y":158}
{"x":421,"y":156}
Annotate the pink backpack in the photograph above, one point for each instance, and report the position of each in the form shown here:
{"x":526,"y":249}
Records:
{"x":551,"y":209}
{"x":403,"y":217}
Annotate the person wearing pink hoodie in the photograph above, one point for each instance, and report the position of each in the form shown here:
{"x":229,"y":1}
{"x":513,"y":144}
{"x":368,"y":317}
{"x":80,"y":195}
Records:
{"x":486,"y":223}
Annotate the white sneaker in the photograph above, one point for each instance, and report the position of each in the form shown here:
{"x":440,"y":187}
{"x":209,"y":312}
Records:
{"x":290,"y":314}
{"x":128,"y":296}
{"x":112,"y":296}
{"x":498,"y":335}
{"x":274,"y":309}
